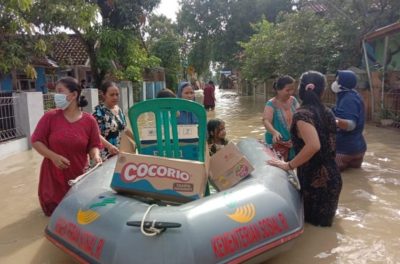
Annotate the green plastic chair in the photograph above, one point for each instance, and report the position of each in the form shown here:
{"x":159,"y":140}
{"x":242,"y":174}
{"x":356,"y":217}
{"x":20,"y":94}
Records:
{"x":165,"y":110}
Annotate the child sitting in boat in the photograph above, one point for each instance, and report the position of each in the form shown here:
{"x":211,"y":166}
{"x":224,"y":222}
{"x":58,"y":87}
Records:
{"x":216,"y":135}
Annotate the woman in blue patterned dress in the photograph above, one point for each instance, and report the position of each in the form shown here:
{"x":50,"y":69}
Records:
{"x":111,"y":119}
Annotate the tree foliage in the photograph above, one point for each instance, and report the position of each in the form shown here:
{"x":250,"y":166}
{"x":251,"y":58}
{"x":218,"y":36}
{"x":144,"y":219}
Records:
{"x":306,"y":40}
{"x":165,"y":43}
{"x":354,"y":19}
{"x":18,"y":44}
{"x":110,"y":30}
{"x":301,"y":41}
{"x":260,"y":56}
{"x":214,"y":27}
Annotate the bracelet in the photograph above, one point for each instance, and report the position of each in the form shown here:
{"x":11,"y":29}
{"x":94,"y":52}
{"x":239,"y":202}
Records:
{"x":290,"y":167}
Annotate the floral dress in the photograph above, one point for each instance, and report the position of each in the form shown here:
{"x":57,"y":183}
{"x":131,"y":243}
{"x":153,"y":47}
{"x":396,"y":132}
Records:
{"x":111,"y":126}
{"x":319,"y":177}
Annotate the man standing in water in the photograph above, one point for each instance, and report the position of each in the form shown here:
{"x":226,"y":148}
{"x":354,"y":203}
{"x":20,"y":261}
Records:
{"x":209,"y":96}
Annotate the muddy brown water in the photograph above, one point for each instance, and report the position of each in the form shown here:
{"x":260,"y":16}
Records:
{"x":366,"y":228}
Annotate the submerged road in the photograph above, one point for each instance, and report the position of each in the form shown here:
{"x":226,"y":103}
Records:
{"x":365,"y":229}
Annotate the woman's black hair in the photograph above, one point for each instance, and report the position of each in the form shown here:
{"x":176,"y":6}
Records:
{"x":282,"y":81}
{"x":212,"y":126}
{"x":165,"y":93}
{"x":311,"y":88}
{"x":73,"y":85}
{"x":105,"y":85}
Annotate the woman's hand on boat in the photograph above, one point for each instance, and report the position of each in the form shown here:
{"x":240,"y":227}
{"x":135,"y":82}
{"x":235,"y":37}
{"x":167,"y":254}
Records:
{"x":97,"y":159}
{"x":113,"y":150}
{"x":279,"y":163}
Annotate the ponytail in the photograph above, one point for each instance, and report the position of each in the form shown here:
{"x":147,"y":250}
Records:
{"x":311,"y":89}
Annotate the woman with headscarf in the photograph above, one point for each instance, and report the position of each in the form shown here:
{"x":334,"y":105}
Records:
{"x":350,"y":120}
{"x":185,"y":91}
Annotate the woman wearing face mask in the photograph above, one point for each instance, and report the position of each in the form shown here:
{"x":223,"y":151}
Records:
{"x":64,"y":137}
{"x":185,"y":91}
{"x":350,"y":120}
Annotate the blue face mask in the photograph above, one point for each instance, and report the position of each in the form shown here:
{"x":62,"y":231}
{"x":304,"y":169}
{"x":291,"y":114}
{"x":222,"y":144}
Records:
{"x":61,"y":101}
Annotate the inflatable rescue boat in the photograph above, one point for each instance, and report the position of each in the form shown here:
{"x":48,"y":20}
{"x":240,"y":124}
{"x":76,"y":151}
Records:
{"x":250,"y":222}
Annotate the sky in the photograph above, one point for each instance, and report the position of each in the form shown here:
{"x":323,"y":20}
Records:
{"x":168,"y":8}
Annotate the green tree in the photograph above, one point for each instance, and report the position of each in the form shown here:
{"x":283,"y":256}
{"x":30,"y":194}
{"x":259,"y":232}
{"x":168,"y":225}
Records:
{"x":307,"y":41}
{"x":18,"y":43}
{"x":299,"y":42}
{"x":244,"y":13}
{"x":164,"y":43}
{"x":354,"y":19}
{"x":109,"y":30}
{"x":217,"y":27}
{"x":260,"y":53}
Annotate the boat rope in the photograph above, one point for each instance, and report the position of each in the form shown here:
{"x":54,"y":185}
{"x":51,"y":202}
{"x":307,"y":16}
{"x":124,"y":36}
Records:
{"x":294,"y":180}
{"x":72,"y":182}
{"x":152,"y":230}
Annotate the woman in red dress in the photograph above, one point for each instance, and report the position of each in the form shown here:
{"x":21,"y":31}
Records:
{"x":64,"y":137}
{"x":209,"y":96}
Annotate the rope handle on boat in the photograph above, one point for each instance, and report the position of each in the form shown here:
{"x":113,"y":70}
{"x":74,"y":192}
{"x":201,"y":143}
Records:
{"x":294,"y":180}
{"x":153,"y":231}
{"x":72,"y":182}
{"x":152,"y":228}
{"x":80,"y":177}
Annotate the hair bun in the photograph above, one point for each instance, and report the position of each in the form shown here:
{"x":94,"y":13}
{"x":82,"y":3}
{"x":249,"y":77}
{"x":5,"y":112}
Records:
{"x":82,"y":101}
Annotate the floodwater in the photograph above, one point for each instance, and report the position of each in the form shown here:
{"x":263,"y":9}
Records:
{"x":366,"y":228}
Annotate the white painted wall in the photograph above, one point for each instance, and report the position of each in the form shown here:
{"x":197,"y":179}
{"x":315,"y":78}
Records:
{"x":28,"y":109}
{"x":92,"y":95}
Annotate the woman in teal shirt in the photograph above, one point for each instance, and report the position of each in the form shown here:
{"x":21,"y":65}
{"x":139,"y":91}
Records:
{"x":277,"y":117}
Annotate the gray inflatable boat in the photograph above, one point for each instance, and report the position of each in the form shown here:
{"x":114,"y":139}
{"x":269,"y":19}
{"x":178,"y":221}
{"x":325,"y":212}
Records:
{"x":250,"y":222}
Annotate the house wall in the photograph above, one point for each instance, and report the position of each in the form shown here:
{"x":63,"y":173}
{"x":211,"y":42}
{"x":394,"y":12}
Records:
{"x":394,"y":41}
{"x":28,"y":110}
{"x":41,"y":80}
{"x":150,"y":89}
{"x":6,"y":83}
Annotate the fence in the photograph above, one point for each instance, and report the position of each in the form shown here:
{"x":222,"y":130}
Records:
{"x":391,"y":105}
{"x":48,"y":102}
{"x":8,"y":127}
